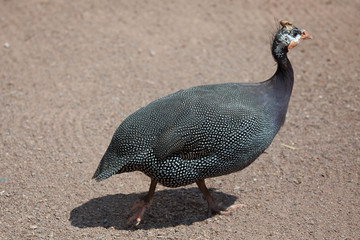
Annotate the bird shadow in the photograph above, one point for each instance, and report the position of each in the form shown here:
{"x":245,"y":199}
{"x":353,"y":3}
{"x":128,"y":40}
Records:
{"x":170,"y":208}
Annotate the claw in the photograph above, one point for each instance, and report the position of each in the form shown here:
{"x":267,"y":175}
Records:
{"x":217,"y":209}
{"x":139,"y":215}
{"x":143,"y":203}
{"x":213,"y":207}
{"x":234,"y":207}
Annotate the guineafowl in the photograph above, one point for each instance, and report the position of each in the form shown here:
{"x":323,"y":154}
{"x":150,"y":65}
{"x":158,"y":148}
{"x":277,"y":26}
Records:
{"x":204,"y":131}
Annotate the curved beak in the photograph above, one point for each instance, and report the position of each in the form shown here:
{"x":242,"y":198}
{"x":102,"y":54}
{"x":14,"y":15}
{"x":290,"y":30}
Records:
{"x":304,"y":35}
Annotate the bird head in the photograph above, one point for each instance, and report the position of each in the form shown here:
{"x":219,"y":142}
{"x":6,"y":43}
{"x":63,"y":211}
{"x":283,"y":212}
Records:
{"x":290,"y":36}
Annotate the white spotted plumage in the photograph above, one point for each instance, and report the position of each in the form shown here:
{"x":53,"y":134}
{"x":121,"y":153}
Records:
{"x":197,"y":133}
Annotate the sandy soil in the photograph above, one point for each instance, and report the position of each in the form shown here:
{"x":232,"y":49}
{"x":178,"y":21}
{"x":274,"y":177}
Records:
{"x":71,"y":71}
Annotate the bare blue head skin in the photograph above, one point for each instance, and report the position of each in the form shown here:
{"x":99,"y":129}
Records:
{"x":287,"y":37}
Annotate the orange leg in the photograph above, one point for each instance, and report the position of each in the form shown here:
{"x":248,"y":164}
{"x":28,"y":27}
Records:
{"x":214,"y":208}
{"x":143,"y":203}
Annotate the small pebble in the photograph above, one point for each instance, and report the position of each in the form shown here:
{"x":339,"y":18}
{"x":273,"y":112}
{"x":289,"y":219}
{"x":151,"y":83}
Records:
{"x":106,"y":223}
{"x":33,"y":227}
{"x":7,"y":45}
{"x":3,"y":179}
{"x":152,"y":52}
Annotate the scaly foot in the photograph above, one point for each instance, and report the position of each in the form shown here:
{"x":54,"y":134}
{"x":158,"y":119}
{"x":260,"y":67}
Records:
{"x":214,"y":208}
{"x":143,"y":203}
{"x":217,"y":209}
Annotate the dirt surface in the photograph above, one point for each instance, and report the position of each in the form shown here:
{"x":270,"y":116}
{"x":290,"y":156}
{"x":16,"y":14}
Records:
{"x":71,"y":71}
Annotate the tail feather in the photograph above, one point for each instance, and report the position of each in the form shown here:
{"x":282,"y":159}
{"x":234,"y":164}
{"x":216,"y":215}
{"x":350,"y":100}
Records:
{"x":109,"y":165}
{"x":103,"y":175}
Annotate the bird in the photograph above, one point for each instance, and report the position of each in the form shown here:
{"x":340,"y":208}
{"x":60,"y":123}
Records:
{"x":204,"y":131}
